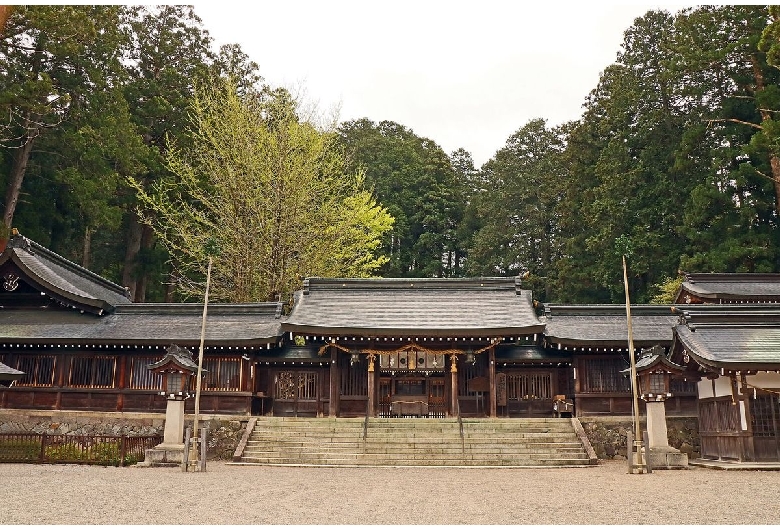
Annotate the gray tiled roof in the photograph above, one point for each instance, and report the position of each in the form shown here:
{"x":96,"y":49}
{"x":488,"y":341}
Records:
{"x":8,"y":375}
{"x":178,"y":355}
{"x":235,"y":324}
{"x":733,"y":346}
{"x":62,"y":278}
{"x":649,"y":361}
{"x":607,"y":324}
{"x":6,"y":370}
{"x":400,"y":306}
{"x":733,"y":286}
{"x":731,"y":336}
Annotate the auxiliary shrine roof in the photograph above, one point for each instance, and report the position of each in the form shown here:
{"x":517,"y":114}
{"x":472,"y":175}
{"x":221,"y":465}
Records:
{"x":228,"y":324}
{"x":746,"y":337}
{"x":754,"y":287}
{"x":606,"y":325}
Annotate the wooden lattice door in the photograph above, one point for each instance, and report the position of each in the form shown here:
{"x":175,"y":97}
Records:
{"x":766,"y":426}
{"x":296,"y":393}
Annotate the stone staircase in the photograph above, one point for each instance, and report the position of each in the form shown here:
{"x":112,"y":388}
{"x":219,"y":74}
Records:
{"x":539,"y":442}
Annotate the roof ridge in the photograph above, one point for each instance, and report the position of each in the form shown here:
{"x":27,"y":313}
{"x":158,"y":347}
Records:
{"x":254,"y":308}
{"x":471,"y":283}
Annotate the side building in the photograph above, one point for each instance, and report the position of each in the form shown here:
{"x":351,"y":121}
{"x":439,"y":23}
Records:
{"x":83,"y":345}
{"x":734,"y":352}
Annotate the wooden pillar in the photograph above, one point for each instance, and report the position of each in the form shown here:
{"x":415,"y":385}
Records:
{"x":577,"y":374}
{"x":492,"y":380}
{"x":63,"y":368}
{"x":750,"y":450}
{"x":334,"y":383}
{"x":120,"y":400}
{"x":454,"y":384}
{"x":371,"y":387}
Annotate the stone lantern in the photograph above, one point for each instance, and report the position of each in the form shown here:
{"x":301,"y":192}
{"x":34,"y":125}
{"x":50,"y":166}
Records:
{"x":653,"y":371}
{"x":177,"y":369}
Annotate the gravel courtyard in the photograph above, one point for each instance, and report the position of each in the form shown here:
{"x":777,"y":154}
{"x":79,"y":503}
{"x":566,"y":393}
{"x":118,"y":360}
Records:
{"x":225,"y":494}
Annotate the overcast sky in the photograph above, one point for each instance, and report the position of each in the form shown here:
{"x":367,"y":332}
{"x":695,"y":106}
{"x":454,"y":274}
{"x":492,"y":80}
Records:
{"x":462,"y":73}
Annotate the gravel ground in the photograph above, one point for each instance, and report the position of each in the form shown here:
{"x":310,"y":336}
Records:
{"x":225,"y":494}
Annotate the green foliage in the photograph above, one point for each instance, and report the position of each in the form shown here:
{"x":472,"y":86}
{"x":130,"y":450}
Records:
{"x":273,"y":191}
{"x":414,"y":179}
{"x":677,"y":152}
{"x":666,"y":290}
{"x":519,"y":190}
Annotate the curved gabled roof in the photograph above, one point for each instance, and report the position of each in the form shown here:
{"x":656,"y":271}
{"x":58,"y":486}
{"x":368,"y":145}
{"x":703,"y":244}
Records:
{"x":436,"y":307}
{"x":65,"y":281}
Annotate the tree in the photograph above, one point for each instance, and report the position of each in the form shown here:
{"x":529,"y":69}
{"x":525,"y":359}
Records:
{"x":731,"y":218}
{"x":170,"y":56}
{"x":413,"y":178}
{"x":517,"y":205}
{"x":271,"y":189}
{"x":53,"y":59}
{"x":623,"y":172}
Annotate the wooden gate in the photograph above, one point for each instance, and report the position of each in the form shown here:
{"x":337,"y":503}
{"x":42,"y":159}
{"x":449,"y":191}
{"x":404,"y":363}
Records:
{"x":529,"y":392}
{"x":765,"y":412}
{"x":296,"y":393}
{"x":422,"y":396}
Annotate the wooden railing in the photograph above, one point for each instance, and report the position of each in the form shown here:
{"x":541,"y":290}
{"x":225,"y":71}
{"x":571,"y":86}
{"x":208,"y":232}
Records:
{"x":75,"y":449}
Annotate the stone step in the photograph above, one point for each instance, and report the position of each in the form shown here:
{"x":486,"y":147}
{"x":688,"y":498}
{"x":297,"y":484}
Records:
{"x":482,"y":462}
{"x":424,"y":443}
{"x":414,"y":441}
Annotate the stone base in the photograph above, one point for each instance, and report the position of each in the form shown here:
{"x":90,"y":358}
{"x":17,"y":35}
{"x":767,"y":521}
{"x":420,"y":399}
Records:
{"x":667,"y":458}
{"x":163,"y":455}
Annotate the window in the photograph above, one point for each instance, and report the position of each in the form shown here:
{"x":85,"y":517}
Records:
{"x":92,"y":372}
{"x":603,"y":375}
{"x":141,"y":377}
{"x":657,"y":383}
{"x":680,"y":386}
{"x":354,"y":376}
{"x":38,"y":369}
{"x":223,"y":374}
{"x":529,"y":386}
{"x":295,"y":385}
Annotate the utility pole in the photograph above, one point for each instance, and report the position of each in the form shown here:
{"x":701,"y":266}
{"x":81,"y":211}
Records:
{"x":195,"y":433}
{"x":635,"y":451}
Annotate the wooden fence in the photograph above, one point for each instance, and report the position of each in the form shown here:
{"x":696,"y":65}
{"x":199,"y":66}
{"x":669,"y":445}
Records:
{"x":74,"y":449}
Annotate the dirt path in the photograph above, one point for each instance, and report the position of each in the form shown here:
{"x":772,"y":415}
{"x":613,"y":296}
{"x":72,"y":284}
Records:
{"x":66,"y":494}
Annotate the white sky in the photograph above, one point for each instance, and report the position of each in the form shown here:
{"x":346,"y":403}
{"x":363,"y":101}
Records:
{"x":462,"y":73}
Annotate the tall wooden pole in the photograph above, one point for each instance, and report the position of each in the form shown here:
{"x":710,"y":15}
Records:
{"x":194,"y":453}
{"x":637,"y":432}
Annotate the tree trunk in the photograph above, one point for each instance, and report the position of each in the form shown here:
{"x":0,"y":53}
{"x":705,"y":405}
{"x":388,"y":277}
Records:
{"x":147,"y":240}
{"x":134,"y":233}
{"x":774,"y":161}
{"x":18,"y":168}
{"x":86,"y":254}
{"x":170,"y":287}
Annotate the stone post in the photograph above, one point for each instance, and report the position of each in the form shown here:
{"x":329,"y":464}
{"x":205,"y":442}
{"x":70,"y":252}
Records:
{"x":174,"y":424}
{"x":662,"y":455}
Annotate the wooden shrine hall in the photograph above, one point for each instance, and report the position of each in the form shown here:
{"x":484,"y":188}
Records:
{"x":346,"y":347}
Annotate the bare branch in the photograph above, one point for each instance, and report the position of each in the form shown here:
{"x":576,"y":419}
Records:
{"x":734,"y":120}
